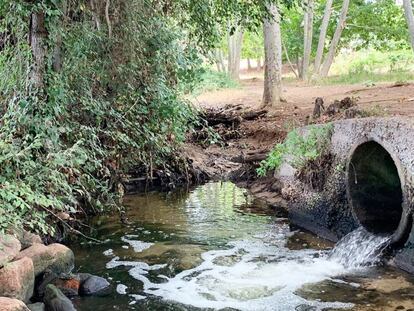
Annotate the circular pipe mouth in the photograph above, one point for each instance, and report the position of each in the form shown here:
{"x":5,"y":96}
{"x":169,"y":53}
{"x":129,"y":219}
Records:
{"x":374,"y":190}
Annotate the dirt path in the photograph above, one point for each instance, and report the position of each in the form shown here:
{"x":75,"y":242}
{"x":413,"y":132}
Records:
{"x":394,"y":100}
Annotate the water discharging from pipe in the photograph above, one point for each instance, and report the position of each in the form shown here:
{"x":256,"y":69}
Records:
{"x":359,"y":248}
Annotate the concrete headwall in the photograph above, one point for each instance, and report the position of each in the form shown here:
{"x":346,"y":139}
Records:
{"x":329,"y":211}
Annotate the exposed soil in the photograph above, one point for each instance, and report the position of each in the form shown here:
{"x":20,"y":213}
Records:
{"x":234,"y":157}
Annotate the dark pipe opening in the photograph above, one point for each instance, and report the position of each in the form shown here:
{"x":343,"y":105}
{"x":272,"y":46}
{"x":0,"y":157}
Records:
{"x":375,"y":189}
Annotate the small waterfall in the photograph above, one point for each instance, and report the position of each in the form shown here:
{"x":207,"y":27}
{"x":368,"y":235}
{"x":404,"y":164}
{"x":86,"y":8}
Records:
{"x":359,"y":249}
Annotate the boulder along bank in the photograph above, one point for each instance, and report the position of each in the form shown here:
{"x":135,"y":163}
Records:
{"x":35,"y":276}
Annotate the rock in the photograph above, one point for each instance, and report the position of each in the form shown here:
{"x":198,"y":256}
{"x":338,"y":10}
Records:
{"x":40,"y":256}
{"x":73,"y":284}
{"x":388,"y":285}
{"x":38,"y":306}
{"x":94,"y":285}
{"x":69,"y":287}
{"x":26,"y":238}
{"x":9,"y":248}
{"x":47,"y":278}
{"x":64,"y":258}
{"x":10,"y":304}
{"x":56,"y":257}
{"x":83,"y":276}
{"x":17,"y":279}
{"x":55,"y":300}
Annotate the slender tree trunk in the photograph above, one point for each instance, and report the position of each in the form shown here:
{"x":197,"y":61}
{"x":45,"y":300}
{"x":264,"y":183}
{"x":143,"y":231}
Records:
{"x":221,"y":60}
{"x":408,"y":9}
{"x":259,"y":64}
{"x":335,"y":40}
{"x":218,"y":59}
{"x":249,"y":64}
{"x":322,"y":35}
{"x":217,"y":65}
{"x":235,"y":46}
{"x":308,"y":37}
{"x":288,"y":60}
{"x":38,"y":36}
{"x":273,"y":59}
{"x":299,"y":65}
{"x":108,"y":19}
{"x":95,"y":15}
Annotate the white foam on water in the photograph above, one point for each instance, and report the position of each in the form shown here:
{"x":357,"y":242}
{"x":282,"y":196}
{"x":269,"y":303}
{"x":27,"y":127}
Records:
{"x":255,"y":274}
{"x":138,"y":265}
{"x":137,"y":245}
{"x":260,"y":273}
{"x":109,"y":252}
{"x":121,"y":289}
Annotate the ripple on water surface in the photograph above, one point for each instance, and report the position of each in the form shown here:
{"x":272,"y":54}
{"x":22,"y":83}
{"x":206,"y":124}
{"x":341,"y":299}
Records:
{"x":215,"y":248}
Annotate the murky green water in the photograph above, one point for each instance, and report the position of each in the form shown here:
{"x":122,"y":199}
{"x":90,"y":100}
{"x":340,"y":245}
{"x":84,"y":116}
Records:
{"x":218,"y":248}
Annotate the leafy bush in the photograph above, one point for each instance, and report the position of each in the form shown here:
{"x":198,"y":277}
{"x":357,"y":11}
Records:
{"x":298,"y":149}
{"x":113,"y":106}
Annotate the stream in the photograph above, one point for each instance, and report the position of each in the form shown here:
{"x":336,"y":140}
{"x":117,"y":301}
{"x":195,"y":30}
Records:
{"x":217,"y":248}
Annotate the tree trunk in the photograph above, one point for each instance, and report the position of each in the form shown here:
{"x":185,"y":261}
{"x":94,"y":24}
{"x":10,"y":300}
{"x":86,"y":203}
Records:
{"x":37,"y":39}
{"x":221,"y":60}
{"x":249,"y":64}
{"x":308,"y":36}
{"x":408,"y":9}
{"x":108,"y":19}
{"x":218,"y":59}
{"x":322,"y":35}
{"x":299,"y":65}
{"x":235,"y":46}
{"x":273,"y":59}
{"x":288,"y":60}
{"x":335,"y":40}
{"x":95,"y":15}
{"x":217,"y":65}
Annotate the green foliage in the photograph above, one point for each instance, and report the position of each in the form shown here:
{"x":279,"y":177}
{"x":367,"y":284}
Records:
{"x":292,"y":31}
{"x":211,"y":80}
{"x":379,"y":25}
{"x":376,"y":25}
{"x":116,"y":104}
{"x":253,"y":44}
{"x":298,"y":149}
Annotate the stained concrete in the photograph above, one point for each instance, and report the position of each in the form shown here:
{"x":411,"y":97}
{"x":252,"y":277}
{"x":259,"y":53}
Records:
{"x":329,"y":213}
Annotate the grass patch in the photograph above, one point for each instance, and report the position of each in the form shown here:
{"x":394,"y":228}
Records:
{"x":367,"y":78}
{"x":213,"y":80}
{"x":369,"y":67}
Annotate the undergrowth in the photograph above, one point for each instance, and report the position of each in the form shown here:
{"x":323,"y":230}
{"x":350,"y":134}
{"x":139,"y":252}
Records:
{"x":114,"y":105}
{"x":298,"y":149}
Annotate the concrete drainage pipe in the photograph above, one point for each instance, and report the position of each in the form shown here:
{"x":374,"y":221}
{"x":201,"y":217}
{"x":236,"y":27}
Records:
{"x":375,"y":192}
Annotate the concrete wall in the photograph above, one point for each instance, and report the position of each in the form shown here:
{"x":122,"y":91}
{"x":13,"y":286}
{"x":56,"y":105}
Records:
{"x":328,"y":213}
